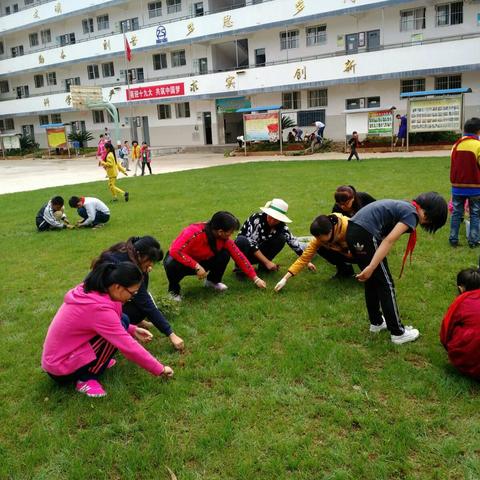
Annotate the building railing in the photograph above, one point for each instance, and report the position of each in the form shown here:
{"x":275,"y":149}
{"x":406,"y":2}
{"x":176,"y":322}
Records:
{"x":148,"y":79}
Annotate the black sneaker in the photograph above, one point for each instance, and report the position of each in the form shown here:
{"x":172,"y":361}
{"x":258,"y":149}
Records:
{"x":126,"y":195}
{"x":453,"y":244}
{"x":474,"y":245}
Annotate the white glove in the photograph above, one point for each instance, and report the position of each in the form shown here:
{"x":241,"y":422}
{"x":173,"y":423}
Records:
{"x":280,"y":284}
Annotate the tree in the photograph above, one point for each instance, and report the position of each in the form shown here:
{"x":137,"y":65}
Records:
{"x":82,"y":136}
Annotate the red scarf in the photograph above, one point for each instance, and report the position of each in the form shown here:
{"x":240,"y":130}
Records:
{"x":412,"y":241}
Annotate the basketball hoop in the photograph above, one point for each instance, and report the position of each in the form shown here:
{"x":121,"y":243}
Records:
{"x":83,"y":96}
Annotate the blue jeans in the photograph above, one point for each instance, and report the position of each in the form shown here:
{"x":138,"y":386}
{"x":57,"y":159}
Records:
{"x":100,"y":217}
{"x":458,"y":202}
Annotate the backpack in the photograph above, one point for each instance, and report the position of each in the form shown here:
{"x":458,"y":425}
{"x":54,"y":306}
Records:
{"x":120,"y":153}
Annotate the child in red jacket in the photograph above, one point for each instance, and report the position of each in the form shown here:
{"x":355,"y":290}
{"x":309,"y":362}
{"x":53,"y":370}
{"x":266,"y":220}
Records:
{"x":460,"y":331}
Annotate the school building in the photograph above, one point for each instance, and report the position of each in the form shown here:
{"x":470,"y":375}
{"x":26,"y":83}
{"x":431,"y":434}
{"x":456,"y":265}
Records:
{"x":194,"y":63}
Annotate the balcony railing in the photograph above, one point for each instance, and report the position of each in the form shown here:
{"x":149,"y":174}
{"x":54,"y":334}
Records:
{"x":148,"y":79}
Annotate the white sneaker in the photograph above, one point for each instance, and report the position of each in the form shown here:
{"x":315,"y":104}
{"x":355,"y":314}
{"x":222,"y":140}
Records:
{"x":219,"y":287}
{"x":409,"y":335}
{"x":379,"y":328}
{"x":176,"y":297}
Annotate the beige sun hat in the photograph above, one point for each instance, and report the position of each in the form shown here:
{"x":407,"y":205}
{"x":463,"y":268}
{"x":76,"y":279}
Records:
{"x":277,"y":208}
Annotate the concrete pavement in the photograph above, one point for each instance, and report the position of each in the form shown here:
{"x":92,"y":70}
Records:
{"x":32,"y":174}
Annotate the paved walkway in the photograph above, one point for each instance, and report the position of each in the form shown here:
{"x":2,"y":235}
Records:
{"x":32,"y":174}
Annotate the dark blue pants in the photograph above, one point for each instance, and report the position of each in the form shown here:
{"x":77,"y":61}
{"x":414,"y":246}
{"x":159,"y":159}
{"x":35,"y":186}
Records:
{"x":270,"y":247}
{"x":100,"y":217}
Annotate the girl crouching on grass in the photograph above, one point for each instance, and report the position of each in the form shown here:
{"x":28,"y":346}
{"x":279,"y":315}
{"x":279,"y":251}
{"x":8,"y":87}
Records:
{"x":371,"y":234}
{"x":460,"y":332}
{"x":329,"y":242}
{"x":89,"y":328}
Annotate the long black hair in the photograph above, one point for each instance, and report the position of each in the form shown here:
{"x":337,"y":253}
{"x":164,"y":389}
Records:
{"x":137,"y":249}
{"x":435,"y":208}
{"x":106,"y":274}
{"x":323,"y":225}
{"x":222,"y":220}
{"x":110,"y":149}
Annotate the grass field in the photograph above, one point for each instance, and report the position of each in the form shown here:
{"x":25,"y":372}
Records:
{"x":271,"y":386}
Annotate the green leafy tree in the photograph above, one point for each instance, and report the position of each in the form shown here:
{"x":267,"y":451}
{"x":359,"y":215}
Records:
{"x":81,"y":136}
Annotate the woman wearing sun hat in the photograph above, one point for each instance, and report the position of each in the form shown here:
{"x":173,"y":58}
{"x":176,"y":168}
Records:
{"x":264,"y":234}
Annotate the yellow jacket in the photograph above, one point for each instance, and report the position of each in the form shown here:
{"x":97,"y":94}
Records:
{"x":337,"y":242}
{"x":136,"y":152}
{"x":111,"y":166}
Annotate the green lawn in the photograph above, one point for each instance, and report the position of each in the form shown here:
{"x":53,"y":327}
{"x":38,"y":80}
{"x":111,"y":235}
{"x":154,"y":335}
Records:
{"x":271,"y":386}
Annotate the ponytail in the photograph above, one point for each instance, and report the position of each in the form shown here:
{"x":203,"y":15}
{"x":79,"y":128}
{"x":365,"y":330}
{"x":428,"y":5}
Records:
{"x":106,"y":274}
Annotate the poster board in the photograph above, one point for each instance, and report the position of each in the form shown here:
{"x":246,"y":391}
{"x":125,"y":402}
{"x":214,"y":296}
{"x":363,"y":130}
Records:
{"x":11,"y":142}
{"x":356,"y":122}
{"x":261,"y":127}
{"x":380,"y":123}
{"x":435,"y":114}
{"x":56,"y":137}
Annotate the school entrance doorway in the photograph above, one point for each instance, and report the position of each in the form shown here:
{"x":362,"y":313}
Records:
{"x":232,"y":124}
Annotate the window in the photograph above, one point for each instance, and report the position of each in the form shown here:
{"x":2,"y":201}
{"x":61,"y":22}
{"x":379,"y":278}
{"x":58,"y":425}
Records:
{"x":291,"y":100}
{"x":98,"y":116}
{"x":4,"y":87}
{"x":102,"y":22}
{"x":15,"y":8}
{"x":51,"y":78}
{"x":39,"y":81}
{"x":449,"y":14}
{"x":17,"y":51}
{"x":2,"y":48}
{"x":200,"y":66}
{"x":43,"y":119}
{"x":316,"y":35}
{"x":354,"y":103}
{"x":260,"y":57}
{"x":182,"y":110}
{"x":178,"y":58}
{"x":160,"y":61}
{"x":29,"y":2}
{"x":67,"y":39}
{"x":46,"y":36}
{"x":290,"y":39}
{"x":92,"y":72}
{"x":129,"y":25}
{"x":448,"y":82}
{"x":108,"y":70}
{"x":174,"y":6}
{"x":7,"y":124}
{"x":23,"y":91}
{"x":33,"y":37}
{"x":164,"y":112}
{"x":7,"y":11}
{"x":373,"y":102}
{"x":110,"y":119}
{"x":317,"y":98}
{"x":412,"y":85}
{"x":307,"y":117}
{"x":135,"y":75}
{"x":198,"y":9}
{"x":154,"y":9}
{"x":56,"y":118}
{"x":71,"y":81}
{"x":87,"y":25}
{"x":413,"y":19}
{"x":27,"y":131}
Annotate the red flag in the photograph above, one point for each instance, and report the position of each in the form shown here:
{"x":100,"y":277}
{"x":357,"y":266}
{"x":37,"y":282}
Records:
{"x":128,"y":50}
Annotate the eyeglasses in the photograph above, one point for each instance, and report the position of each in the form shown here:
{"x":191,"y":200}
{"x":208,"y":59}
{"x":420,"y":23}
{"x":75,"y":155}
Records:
{"x":130,"y":292}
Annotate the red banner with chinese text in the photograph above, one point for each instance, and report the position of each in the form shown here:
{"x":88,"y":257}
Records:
{"x":156,"y":91}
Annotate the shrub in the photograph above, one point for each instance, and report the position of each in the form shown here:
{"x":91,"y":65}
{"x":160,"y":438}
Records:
{"x":81,"y":136}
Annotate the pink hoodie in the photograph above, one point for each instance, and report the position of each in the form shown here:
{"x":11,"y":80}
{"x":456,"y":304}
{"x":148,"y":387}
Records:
{"x":81,"y":317}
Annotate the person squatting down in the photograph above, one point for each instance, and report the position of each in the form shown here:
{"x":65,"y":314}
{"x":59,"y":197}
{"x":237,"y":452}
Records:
{"x":371,"y":234}
{"x":144,"y":252}
{"x":203,"y":249}
{"x":263,"y":235}
{"x":52,"y":216}
{"x":93,"y":211}
{"x":89,"y":328}
{"x":460,"y":330}
{"x":329,"y":232}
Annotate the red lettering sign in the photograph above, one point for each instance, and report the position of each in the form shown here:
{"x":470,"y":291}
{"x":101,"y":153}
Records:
{"x":156,"y":91}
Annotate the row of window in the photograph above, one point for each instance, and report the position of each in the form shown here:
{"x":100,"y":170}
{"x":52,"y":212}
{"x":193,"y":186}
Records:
{"x":54,"y":118}
{"x":445,"y":14}
{"x":441,"y":83}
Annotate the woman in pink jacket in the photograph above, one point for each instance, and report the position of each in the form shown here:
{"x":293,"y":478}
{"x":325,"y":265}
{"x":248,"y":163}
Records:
{"x":89,"y":328}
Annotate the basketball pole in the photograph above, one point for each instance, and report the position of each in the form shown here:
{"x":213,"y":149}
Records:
{"x":128,"y":85}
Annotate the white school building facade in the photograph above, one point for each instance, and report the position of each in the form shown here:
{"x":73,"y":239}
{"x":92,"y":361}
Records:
{"x":193,"y":63}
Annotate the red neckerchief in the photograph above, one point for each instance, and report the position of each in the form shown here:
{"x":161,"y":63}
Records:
{"x":412,"y":241}
{"x":82,"y":199}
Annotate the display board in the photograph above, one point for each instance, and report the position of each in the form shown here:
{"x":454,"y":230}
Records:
{"x":57,"y":137}
{"x":435,"y":114}
{"x":356,"y":122}
{"x":261,"y":127}
{"x":380,"y":123}
{"x":11,"y":142}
